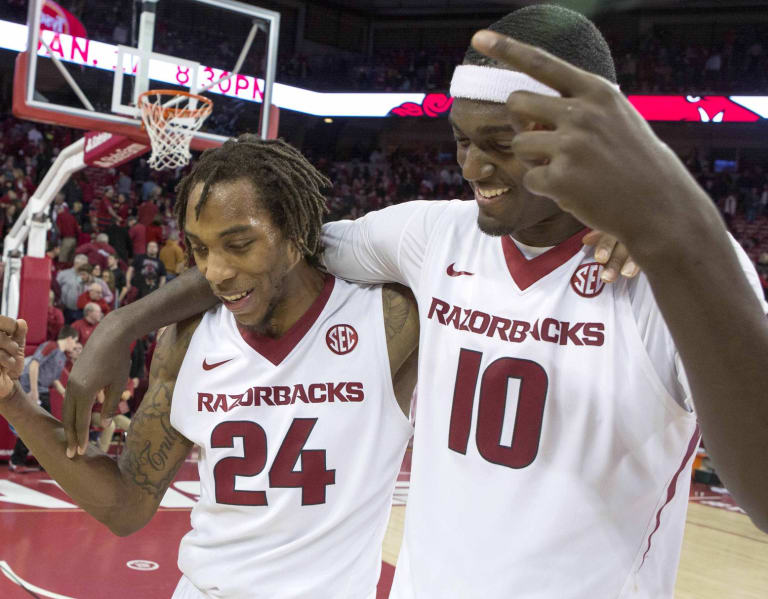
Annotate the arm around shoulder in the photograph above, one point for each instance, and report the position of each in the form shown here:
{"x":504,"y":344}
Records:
{"x":384,"y":246}
{"x":103,"y":363}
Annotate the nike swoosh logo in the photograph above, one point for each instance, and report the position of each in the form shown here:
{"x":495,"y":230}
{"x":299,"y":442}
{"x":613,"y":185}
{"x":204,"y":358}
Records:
{"x":457,"y":273}
{"x":207,"y":366}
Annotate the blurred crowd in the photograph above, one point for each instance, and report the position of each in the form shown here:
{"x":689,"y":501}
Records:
{"x":655,"y":63}
{"x":685,"y":57}
{"x":668,"y":61}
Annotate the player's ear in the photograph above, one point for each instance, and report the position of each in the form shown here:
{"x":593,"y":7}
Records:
{"x":294,"y":253}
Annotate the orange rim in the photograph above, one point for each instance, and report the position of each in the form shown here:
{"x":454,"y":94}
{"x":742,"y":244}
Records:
{"x":178,"y":112}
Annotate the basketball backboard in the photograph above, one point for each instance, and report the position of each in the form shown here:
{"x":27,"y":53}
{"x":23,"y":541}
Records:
{"x":222,"y":49}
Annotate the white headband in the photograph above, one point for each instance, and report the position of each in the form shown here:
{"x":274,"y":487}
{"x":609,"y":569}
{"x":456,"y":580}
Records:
{"x":491,"y":84}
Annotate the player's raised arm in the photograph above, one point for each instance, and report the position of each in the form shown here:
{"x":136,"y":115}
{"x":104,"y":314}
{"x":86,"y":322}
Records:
{"x":123,"y":496}
{"x":105,"y":360}
{"x":602,"y":162}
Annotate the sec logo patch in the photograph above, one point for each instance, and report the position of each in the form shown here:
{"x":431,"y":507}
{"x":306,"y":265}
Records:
{"x":586,"y":280}
{"x":341,"y":339}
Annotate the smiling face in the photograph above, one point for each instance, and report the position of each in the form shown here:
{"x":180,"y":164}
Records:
{"x":484,"y":132}
{"x":240,"y":251}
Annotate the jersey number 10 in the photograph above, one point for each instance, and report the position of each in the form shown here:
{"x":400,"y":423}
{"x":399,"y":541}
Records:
{"x":492,"y":404}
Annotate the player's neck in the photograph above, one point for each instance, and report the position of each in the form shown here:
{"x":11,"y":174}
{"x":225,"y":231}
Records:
{"x":300,"y":290}
{"x":550,"y":232}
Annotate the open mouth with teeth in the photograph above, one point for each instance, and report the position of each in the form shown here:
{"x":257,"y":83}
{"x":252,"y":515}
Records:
{"x":491,"y":193}
{"x":237,"y":300}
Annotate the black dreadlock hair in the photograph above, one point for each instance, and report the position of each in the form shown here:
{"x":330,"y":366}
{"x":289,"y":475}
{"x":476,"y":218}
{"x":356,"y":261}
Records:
{"x":565,"y":33}
{"x":289,"y":186}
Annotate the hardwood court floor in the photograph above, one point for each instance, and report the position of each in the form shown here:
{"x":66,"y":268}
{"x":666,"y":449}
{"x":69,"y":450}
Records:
{"x":56,"y":550}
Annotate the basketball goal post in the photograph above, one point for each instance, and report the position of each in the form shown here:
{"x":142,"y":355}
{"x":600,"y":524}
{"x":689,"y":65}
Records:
{"x":26,"y":276}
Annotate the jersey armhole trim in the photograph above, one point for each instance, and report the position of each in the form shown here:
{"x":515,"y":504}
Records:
{"x":635,"y":342}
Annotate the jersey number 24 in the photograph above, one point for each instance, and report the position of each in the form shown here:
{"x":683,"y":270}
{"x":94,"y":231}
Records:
{"x":312,"y":479}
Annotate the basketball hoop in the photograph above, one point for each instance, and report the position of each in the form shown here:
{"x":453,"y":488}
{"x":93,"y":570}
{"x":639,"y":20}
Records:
{"x":171,"y":119}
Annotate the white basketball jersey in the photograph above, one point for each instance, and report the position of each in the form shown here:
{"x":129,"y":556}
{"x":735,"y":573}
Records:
{"x":301,"y":439}
{"x":550,"y":457}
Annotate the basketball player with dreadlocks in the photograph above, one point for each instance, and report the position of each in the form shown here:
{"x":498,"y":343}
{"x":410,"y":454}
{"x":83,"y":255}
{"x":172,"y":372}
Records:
{"x":300,"y":440}
{"x":556,"y":422}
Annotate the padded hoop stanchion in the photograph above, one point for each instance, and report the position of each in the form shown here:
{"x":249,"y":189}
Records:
{"x":33,"y":305}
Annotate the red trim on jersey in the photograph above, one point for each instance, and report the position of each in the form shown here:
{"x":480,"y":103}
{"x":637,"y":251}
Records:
{"x":526,"y":272}
{"x":692,"y":445}
{"x":49,"y":348}
{"x":276,"y":349}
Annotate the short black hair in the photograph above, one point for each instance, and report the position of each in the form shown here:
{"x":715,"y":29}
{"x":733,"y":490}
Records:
{"x":290,"y":188}
{"x":68,"y":331}
{"x":567,"y":34}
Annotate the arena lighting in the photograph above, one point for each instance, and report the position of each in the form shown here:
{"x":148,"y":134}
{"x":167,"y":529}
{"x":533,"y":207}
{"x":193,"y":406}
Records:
{"x":90,"y":53}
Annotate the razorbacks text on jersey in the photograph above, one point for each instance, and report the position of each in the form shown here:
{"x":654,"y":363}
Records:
{"x":301,"y":439}
{"x":554,"y":434}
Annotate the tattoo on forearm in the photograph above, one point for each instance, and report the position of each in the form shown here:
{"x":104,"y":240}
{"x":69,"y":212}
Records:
{"x":147,"y":465}
{"x":396,"y":311}
{"x":147,"y":460}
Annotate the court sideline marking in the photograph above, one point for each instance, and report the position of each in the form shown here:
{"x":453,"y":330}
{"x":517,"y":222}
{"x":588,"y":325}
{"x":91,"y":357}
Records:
{"x":27,"y":586}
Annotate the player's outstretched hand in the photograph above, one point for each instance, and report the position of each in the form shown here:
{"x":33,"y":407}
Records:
{"x":104,"y":364}
{"x":612,"y":254}
{"x":13,"y":338}
{"x":596,"y":156}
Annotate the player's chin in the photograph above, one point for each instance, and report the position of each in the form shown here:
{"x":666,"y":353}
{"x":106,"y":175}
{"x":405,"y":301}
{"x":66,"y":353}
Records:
{"x":493,"y":225}
{"x":250,"y":319}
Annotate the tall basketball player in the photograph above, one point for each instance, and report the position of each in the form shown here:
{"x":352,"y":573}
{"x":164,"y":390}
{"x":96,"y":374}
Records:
{"x":556,"y":422}
{"x":287,"y":387}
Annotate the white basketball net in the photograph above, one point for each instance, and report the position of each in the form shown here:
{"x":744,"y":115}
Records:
{"x":171,"y":120}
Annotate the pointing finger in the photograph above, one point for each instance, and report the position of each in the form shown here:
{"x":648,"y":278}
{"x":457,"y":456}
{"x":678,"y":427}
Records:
{"x":542,"y":66}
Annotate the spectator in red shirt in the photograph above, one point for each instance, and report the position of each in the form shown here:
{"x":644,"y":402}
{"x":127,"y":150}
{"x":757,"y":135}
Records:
{"x":55,"y":318}
{"x":86,"y":189}
{"x":155,"y":230}
{"x":92,"y":315}
{"x":94,"y":294}
{"x":68,"y":232}
{"x":122,"y":207}
{"x":97,"y":251}
{"x":106,"y":214}
{"x":138,"y":235}
{"x":147,"y":211}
